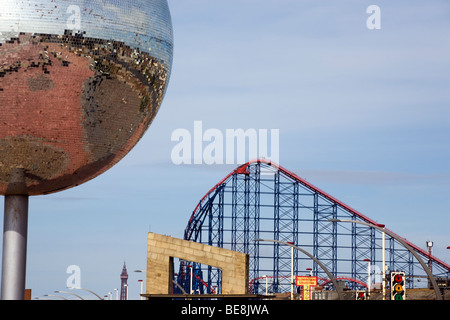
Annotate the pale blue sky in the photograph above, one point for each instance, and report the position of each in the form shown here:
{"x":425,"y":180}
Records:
{"x":363,"y":114}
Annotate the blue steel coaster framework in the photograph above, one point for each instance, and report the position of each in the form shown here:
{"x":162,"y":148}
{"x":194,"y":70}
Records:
{"x":261,"y":200}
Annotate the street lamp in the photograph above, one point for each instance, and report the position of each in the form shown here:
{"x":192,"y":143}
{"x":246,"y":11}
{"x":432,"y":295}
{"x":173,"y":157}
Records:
{"x":192,"y":271}
{"x":368,"y":276}
{"x":267,"y":284}
{"x":69,"y":293}
{"x":117,"y":293}
{"x":338,"y":289}
{"x":401,"y":241}
{"x":87,"y":291}
{"x":142,"y":283}
{"x":292,"y":269}
{"x":52,"y":295}
{"x":126,"y":291}
{"x":383,"y":262}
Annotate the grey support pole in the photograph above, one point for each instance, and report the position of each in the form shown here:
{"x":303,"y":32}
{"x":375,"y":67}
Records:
{"x":15,"y":231}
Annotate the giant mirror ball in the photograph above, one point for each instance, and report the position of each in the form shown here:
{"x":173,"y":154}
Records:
{"x":80,"y":83}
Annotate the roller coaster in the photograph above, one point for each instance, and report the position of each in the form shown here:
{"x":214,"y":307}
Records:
{"x":262,"y":200}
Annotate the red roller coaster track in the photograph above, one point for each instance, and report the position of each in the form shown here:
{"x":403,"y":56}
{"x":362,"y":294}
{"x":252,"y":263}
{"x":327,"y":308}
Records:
{"x":243,"y":170}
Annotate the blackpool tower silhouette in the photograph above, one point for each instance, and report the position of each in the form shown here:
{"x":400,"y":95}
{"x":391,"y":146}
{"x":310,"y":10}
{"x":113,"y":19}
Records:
{"x":123,"y":284}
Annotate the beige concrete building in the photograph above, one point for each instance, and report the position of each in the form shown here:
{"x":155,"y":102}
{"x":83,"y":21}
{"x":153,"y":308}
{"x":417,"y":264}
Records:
{"x":162,"y":249}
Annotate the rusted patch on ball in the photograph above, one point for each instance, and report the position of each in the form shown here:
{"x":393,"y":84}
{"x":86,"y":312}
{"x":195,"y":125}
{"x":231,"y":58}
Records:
{"x":40,"y":82}
{"x":39,"y":159}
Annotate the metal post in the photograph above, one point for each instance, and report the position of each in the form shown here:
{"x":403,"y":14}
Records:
{"x":142,"y":287}
{"x":15,"y":231}
{"x":384,"y":264}
{"x":292,"y":273}
{"x":369,"y":282}
{"x":192,"y":270}
{"x":267,"y":286}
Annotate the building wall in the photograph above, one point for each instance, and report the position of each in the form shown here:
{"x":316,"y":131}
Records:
{"x":162,"y":249}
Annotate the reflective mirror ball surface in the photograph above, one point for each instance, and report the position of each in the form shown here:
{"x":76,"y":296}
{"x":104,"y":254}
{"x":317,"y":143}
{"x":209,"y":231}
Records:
{"x":80,"y":83}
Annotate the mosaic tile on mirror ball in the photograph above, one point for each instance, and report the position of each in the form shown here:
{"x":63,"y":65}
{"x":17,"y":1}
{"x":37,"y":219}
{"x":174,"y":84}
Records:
{"x":75,"y":102}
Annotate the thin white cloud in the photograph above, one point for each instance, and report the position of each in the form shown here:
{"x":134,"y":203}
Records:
{"x":376,"y":178}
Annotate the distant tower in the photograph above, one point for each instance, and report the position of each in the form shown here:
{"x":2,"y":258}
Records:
{"x":123,"y":284}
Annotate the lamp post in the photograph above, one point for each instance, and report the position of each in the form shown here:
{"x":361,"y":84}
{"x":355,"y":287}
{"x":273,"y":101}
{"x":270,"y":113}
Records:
{"x":126,"y":291}
{"x":117,"y":293}
{"x":368,"y":277}
{"x":141,"y":281}
{"x":142,"y":284}
{"x":383,"y":257}
{"x":267,"y":284}
{"x":338,"y":289}
{"x":192,"y":271}
{"x":292,"y":269}
{"x":401,"y":241}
